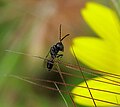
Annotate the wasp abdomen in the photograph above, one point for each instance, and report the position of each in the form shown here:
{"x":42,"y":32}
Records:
{"x":50,"y":64}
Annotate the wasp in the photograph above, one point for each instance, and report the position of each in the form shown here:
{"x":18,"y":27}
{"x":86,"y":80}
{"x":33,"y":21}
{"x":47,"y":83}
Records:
{"x":54,"y":51}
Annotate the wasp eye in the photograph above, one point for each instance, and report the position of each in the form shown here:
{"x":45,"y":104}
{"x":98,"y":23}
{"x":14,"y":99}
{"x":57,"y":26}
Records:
{"x":60,"y":46}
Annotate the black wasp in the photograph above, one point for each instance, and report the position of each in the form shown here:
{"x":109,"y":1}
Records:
{"x":54,"y":51}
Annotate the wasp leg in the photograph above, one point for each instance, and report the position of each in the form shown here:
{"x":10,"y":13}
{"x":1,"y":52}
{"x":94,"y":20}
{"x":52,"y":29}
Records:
{"x":47,"y":54}
{"x":59,"y":55}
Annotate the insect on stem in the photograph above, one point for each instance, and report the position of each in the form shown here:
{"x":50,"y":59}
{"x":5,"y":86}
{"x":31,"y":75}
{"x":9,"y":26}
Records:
{"x":54,"y":53}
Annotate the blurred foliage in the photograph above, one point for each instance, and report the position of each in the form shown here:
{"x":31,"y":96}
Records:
{"x":33,"y":27}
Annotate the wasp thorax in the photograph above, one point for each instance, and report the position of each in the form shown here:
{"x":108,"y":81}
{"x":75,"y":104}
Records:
{"x":60,"y":46}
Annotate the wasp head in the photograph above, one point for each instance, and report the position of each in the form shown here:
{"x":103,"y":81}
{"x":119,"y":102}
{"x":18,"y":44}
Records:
{"x":60,"y":46}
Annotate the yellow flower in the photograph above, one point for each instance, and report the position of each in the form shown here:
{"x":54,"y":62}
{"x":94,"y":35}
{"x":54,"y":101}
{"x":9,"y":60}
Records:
{"x":101,"y":53}
{"x":100,"y":95}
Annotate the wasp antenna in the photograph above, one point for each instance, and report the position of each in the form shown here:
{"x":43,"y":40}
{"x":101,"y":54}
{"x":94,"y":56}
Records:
{"x":64,"y":37}
{"x":60,"y":32}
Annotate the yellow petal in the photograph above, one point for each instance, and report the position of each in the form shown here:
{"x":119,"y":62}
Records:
{"x":103,"y":21}
{"x":105,"y":96}
{"x":97,"y":54}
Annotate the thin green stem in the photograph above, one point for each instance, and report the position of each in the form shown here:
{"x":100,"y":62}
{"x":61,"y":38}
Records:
{"x":58,"y":68}
{"x":61,"y":95}
{"x":84,"y":79}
